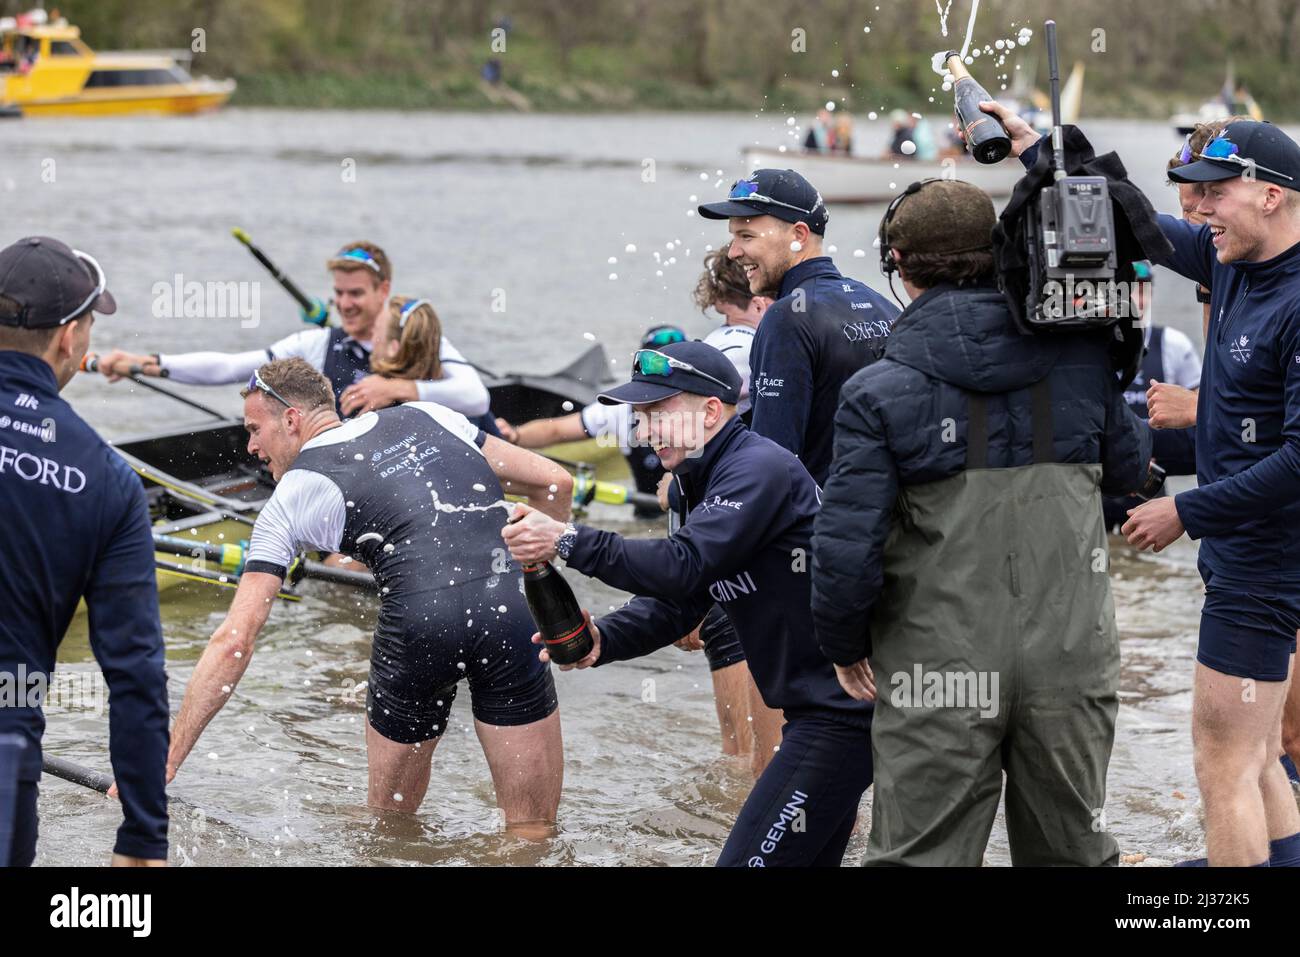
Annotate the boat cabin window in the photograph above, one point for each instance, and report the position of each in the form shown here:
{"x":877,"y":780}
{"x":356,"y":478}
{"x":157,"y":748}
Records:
{"x":63,"y":48}
{"x":109,"y":78}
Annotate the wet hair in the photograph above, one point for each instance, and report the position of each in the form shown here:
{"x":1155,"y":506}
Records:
{"x":419,"y":343}
{"x":297,"y":381}
{"x":385,"y":271}
{"x":927,"y":270}
{"x":723,"y":280}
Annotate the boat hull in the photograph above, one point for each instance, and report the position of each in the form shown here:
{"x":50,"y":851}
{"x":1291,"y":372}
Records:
{"x":178,"y":102}
{"x":852,"y":179}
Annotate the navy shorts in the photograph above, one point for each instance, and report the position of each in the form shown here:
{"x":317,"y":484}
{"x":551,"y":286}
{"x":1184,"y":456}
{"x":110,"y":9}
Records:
{"x":802,"y":808}
{"x":721,"y":646}
{"x":1248,"y":630}
{"x":423,"y":650}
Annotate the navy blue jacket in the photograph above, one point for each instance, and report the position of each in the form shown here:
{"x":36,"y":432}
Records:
{"x":904,"y":420}
{"x":744,"y":544}
{"x":77,"y":525}
{"x":824,"y":328}
{"x":1246,"y":508}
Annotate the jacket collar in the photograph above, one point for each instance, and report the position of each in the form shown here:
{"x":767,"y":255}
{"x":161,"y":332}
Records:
{"x":30,"y":371}
{"x":1267,"y":270}
{"x":693,"y":474}
{"x":808,"y":269}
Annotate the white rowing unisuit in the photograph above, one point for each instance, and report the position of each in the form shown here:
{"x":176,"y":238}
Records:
{"x":460,"y":387}
{"x":308,"y":511}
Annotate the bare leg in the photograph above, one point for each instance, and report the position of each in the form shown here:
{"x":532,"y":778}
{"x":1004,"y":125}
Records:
{"x":527,"y":763}
{"x":1236,"y":734}
{"x":399,"y":773}
{"x":1291,"y":719}
{"x":766,"y":724}
{"x":731,"y":699}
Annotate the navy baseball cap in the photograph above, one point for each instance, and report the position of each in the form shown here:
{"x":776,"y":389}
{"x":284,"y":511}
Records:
{"x":782,"y":193}
{"x":693,"y":367}
{"x":51,"y":284}
{"x":1245,"y":145}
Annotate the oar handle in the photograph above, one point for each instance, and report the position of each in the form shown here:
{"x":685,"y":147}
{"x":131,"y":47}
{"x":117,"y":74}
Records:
{"x":312,"y":309}
{"x":77,"y":774}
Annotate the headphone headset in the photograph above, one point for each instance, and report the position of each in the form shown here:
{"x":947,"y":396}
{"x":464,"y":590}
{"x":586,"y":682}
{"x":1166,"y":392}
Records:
{"x":889,"y":265}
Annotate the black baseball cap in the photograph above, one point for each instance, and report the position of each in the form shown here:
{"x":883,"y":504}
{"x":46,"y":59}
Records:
{"x":782,"y":193}
{"x":696,"y":367}
{"x":51,"y":283}
{"x":1245,"y":145}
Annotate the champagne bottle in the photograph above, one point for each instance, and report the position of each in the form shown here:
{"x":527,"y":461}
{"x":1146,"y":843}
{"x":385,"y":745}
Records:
{"x":557,"y":614}
{"x":986,"y":137}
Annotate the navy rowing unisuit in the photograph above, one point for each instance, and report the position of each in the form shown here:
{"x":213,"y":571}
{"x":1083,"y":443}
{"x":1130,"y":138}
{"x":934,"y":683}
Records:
{"x":407,"y":492}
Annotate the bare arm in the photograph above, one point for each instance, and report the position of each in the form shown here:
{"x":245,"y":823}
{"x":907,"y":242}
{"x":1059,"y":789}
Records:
{"x":547,"y":486}
{"x":222,"y":663}
{"x":540,"y":432}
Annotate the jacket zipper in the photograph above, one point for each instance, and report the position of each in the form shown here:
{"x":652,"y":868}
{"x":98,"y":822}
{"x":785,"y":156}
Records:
{"x":1227,"y":323}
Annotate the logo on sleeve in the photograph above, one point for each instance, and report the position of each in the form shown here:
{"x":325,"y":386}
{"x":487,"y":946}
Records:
{"x":1241,"y":349}
{"x":768,"y":388}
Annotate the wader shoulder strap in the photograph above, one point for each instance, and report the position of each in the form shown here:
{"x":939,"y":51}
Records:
{"x":1041,"y":399}
{"x":977,"y":426}
{"x":977,"y":430}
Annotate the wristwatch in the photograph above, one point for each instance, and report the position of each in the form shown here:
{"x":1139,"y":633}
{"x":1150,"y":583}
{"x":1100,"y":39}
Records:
{"x":564,"y":544}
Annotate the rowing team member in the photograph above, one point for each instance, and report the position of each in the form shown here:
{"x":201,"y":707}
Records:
{"x":748,"y":509}
{"x":60,"y":483}
{"x":415,"y":493}
{"x":362,"y":277}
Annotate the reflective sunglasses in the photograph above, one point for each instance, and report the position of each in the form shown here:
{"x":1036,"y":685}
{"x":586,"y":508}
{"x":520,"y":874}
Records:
{"x":405,"y":312}
{"x":662,"y":336}
{"x":1225,"y":151}
{"x":100,"y":284}
{"x":653,"y":362}
{"x":257,"y":384}
{"x":361,"y":256}
{"x":747,"y":189}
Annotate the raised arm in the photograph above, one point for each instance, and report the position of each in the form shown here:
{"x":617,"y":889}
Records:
{"x":547,"y":486}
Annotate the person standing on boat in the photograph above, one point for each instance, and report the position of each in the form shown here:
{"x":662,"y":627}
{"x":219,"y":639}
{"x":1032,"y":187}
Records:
{"x":362,"y":276}
{"x":955,"y":557}
{"x":415,"y":493}
{"x":822,"y":329}
{"x":76,"y":526}
{"x":747,"y":508}
{"x":1246,"y":506}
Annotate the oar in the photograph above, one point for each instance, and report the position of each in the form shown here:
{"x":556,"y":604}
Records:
{"x":586,"y":490}
{"x":232,"y":557}
{"x":313,"y":310}
{"x":91,"y":364}
{"x":71,"y":771}
{"x":211,"y":578}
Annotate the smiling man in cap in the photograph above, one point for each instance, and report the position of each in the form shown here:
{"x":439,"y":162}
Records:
{"x":76,"y":525}
{"x":1246,"y":507}
{"x":747,"y":508}
{"x":822,"y":329}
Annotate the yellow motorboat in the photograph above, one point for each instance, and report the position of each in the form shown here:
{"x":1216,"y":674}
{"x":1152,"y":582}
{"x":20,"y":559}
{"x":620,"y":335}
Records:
{"x":46,"y":69}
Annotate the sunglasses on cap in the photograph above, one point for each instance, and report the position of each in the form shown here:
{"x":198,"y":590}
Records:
{"x":1225,"y":151}
{"x":654,"y":363}
{"x":361,"y":256}
{"x":100,"y":284}
{"x":257,"y":384}
{"x":405,"y":312}
{"x":747,"y":189}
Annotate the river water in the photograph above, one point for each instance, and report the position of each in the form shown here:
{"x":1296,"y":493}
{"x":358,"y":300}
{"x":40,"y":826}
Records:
{"x":508,"y":223}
